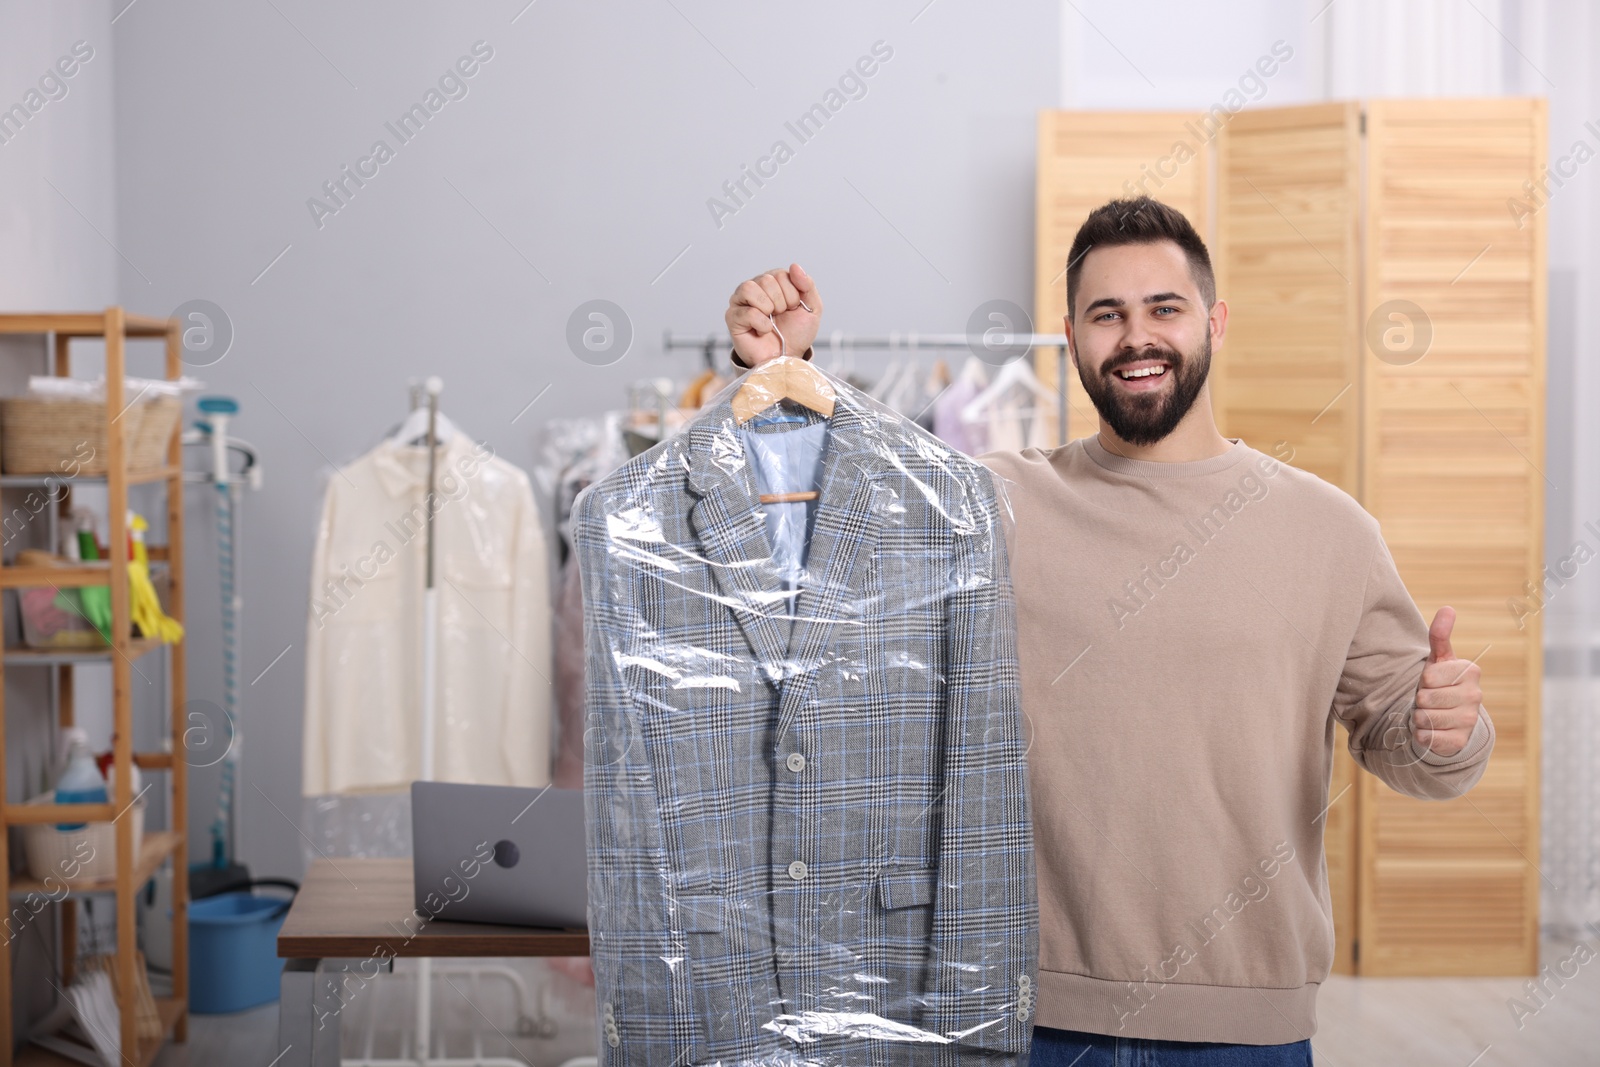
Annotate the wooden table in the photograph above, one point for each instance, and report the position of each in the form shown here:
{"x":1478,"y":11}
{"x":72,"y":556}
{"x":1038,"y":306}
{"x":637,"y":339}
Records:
{"x":350,"y":920}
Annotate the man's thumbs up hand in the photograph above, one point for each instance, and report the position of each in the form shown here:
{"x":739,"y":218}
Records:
{"x":1448,"y":697}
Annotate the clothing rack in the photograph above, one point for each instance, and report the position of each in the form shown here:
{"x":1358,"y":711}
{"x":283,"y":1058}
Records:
{"x":910,"y":344}
{"x":425,"y":396}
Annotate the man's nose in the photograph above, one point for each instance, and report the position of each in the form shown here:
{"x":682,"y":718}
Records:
{"x":1138,"y":335}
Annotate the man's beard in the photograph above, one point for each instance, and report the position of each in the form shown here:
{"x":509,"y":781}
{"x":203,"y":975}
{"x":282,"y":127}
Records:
{"x":1145,"y":418}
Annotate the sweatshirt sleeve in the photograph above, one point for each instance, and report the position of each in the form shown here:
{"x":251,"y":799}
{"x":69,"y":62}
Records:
{"x":1377,"y":691}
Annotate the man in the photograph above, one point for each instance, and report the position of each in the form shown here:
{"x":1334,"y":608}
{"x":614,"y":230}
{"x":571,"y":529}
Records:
{"x":1193,"y":616}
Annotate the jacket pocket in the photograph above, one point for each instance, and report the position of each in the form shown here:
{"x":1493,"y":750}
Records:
{"x":725,"y":1026}
{"x":904,"y":888}
{"x":359,"y":585}
{"x":905,"y":897}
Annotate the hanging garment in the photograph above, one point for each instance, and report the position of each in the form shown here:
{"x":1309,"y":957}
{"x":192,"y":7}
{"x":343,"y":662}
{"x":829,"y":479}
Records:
{"x":705,"y":385}
{"x":1016,"y":423}
{"x":933,"y":387}
{"x":785,"y":449}
{"x":1019,"y":410}
{"x":891,"y":378}
{"x":907,"y":396}
{"x":948,"y":424}
{"x":574,"y":453}
{"x":809,"y":835}
{"x":568,"y":653}
{"x":363,"y":712}
{"x":694,"y":392}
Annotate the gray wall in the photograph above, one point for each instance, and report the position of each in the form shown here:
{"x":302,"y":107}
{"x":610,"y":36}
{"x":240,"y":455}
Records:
{"x":58,"y":228}
{"x":577,"y":166}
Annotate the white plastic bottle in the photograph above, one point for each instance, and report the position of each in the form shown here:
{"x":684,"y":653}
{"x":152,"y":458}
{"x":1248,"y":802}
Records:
{"x":81,"y":782}
{"x":135,"y":778}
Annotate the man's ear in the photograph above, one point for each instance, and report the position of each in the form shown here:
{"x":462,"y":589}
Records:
{"x":1219,"y":315}
{"x":1072,"y":344}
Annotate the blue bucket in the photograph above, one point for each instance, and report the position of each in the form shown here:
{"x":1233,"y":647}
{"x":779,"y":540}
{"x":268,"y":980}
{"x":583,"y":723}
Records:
{"x":233,"y":952}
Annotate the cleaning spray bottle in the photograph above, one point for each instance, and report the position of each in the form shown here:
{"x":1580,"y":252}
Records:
{"x":81,"y":782}
{"x":96,"y":598}
{"x":107,"y":762}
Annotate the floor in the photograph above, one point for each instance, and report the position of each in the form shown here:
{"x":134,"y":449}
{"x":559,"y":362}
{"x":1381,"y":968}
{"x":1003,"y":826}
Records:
{"x":516,"y":1010}
{"x":1466,"y":1022}
{"x":1363,"y":1022}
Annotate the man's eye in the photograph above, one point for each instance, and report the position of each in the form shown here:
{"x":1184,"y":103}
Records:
{"x":1104,"y":316}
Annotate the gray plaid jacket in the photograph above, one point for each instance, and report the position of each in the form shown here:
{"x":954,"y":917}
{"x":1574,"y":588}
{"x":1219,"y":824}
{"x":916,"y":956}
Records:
{"x":809,"y":838}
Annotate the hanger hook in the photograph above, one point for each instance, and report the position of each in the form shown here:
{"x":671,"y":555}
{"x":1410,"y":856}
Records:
{"x":783,"y":346}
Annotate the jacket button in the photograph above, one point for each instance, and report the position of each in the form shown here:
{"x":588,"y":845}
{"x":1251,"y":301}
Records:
{"x":797,"y":870}
{"x":796,"y":762}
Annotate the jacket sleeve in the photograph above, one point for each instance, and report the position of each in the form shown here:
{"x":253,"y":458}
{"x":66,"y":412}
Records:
{"x":525,"y":724}
{"x":641,"y":987}
{"x":985,"y":951}
{"x":1378,"y":687}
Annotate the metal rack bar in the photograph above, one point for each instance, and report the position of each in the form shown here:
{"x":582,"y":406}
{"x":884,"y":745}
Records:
{"x":979,"y":345}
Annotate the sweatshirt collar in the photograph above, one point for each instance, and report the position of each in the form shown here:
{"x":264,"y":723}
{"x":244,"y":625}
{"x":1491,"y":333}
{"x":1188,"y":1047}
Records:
{"x":1146,"y":468}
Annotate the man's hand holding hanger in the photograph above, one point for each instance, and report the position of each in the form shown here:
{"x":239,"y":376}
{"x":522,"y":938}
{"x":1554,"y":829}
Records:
{"x":778,"y":298}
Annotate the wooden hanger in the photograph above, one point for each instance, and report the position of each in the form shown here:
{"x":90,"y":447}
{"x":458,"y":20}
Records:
{"x":784,"y":378}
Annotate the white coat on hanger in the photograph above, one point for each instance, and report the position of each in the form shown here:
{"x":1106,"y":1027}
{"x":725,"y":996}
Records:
{"x":414,"y":430}
{"x":363,"y":714}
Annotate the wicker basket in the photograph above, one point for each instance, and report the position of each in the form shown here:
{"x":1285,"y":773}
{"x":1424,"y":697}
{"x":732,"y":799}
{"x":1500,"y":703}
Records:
{"x":67,"y":437}
{"x":56,"y":853}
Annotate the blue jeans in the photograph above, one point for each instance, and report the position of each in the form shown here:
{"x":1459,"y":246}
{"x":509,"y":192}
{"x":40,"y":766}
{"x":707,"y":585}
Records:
{"x":1070,"y":1048}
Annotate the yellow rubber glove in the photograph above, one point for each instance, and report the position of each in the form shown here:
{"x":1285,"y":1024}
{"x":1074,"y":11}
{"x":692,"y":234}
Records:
{"x":144,"y":604}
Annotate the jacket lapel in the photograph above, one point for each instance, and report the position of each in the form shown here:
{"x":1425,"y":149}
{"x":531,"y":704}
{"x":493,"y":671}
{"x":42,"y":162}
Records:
{"x":732,"y":531}
{"x":841,"y":538}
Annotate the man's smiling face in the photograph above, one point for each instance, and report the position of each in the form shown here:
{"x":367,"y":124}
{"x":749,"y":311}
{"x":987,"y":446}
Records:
{"x":1141,"y":337}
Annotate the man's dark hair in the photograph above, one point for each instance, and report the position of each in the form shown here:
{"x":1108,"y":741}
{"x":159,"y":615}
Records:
{"x":1139,"y":221}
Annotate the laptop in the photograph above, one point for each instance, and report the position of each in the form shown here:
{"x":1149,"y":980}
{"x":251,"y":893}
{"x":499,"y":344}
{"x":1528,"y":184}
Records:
{"x":499,"y":854}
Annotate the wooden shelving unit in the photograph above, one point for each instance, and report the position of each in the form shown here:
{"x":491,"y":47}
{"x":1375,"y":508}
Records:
{"x":116,"y":327}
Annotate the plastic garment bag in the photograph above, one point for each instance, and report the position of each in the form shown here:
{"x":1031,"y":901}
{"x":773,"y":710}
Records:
{"x":808,"y":820}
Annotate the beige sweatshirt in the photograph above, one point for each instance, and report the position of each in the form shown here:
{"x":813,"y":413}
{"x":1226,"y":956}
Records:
{"x":1188,"y":635}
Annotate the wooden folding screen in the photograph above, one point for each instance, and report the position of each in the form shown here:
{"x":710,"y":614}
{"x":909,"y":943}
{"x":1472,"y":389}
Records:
{"x":1452,"y":462}
{"x":1386,"y":332}
{"x":1287,"y":253}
